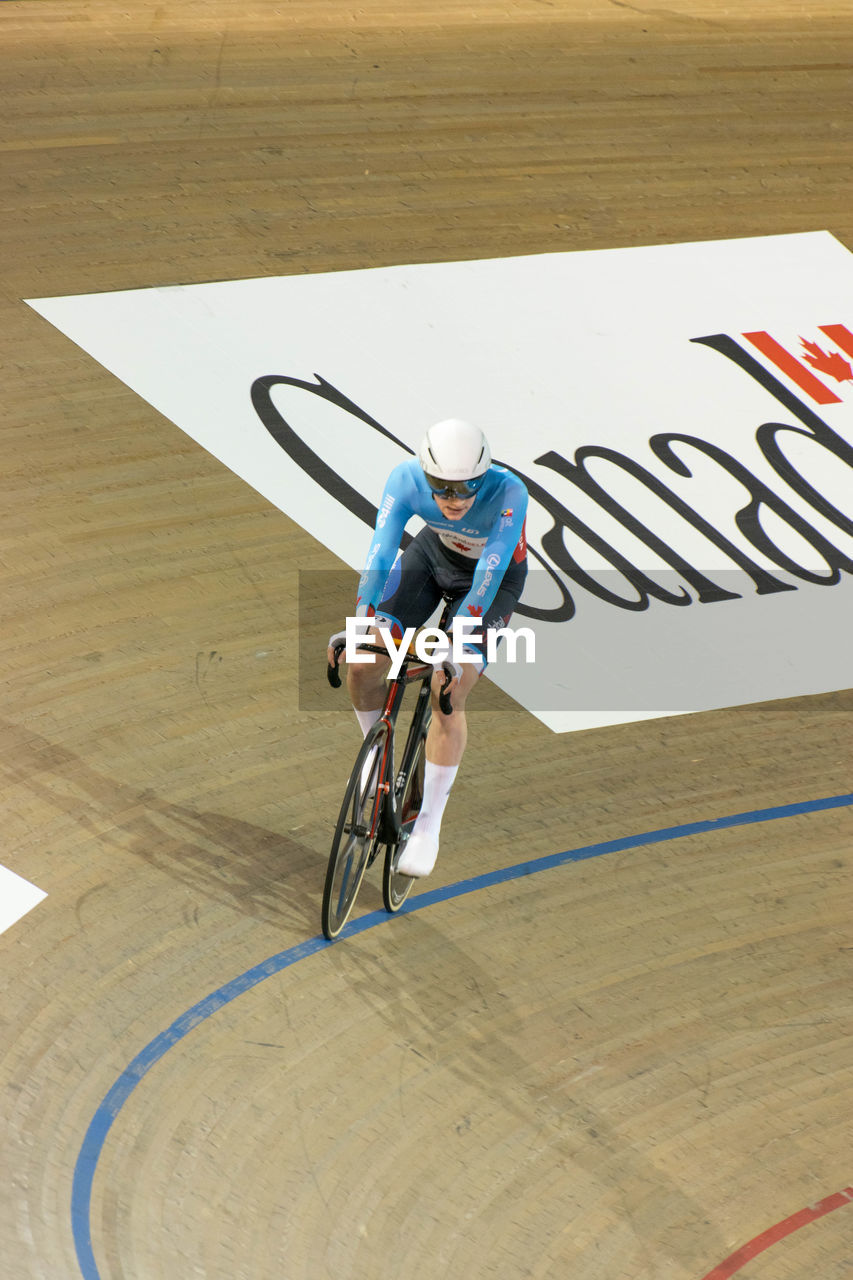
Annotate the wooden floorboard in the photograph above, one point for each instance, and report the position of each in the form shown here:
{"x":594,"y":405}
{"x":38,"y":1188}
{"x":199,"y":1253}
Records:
{"x":624,"y":1069}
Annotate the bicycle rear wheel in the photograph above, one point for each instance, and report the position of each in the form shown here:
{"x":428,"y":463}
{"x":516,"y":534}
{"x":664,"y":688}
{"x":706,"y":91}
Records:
{"x":356,"y":833}
{"x":410,"y":794}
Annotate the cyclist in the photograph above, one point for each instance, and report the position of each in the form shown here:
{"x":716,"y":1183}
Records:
{"x":472,"y":549}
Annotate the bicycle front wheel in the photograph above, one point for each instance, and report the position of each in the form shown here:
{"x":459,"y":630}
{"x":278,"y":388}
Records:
{"x":356,"y":833}
{"x":410,"y":794}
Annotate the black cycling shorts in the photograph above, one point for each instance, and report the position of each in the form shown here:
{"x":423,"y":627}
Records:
{"x":427,"y":572}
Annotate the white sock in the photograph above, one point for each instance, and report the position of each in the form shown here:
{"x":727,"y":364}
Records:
{"x":438,"y":779}
{"x":367,"y":719}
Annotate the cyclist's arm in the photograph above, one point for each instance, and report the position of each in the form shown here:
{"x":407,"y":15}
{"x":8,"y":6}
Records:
{"x":499,"y":550}
{"x":394,"y":512}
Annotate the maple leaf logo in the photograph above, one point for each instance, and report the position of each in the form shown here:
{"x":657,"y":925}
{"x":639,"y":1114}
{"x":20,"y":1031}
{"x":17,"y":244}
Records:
{"x":475,"y":610}
{"x":803,"y":368}
{"x":832,"y":364}
{"x":463,"y":546}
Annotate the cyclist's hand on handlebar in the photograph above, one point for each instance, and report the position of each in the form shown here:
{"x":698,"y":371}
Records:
{"x":336,"y":646}
{"x":452,"y":672}
{"x":337,"y":641}
{"x":448,"y":666}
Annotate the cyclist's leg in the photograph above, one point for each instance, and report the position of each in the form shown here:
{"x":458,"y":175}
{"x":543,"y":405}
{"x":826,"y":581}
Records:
{"x":365,"y":683}
{"x":448,"y":735}
{"x":445,"y":746}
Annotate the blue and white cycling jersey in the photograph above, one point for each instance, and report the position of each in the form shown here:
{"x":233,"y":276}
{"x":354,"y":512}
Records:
{"x":490,"y":534}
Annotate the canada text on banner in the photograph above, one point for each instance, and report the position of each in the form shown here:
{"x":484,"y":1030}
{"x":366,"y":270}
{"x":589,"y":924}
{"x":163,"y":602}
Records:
{"x":682,"y":416}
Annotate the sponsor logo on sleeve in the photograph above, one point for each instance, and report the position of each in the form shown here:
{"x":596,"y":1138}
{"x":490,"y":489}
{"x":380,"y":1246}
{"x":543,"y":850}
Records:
{"x":385,"y":510}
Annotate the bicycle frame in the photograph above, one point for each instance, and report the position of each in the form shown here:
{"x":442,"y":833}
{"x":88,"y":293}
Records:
{"x":390,"y":829}
{"x":386,"y":820}
{"x":380,"y":804}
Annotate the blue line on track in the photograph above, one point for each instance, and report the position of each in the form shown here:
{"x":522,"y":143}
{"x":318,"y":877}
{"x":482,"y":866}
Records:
{"x":107,"y":1112}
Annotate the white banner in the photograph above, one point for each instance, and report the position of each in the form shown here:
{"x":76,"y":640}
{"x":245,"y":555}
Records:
{"x":682,"y":416}
{"x":17,"y":897}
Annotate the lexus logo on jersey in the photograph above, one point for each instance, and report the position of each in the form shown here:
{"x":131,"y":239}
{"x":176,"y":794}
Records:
{"x":681,"y":415}
{"x":818,"y":365}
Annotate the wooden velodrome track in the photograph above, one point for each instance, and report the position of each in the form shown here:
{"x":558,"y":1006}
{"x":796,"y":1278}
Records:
{"x":625,"y":1068}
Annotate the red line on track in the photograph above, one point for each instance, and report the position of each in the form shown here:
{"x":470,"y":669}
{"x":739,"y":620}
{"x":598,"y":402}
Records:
{"x":773,"y":1235}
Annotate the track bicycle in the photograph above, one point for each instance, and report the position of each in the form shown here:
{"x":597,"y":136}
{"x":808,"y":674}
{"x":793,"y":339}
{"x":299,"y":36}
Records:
{"x":381,"y":803}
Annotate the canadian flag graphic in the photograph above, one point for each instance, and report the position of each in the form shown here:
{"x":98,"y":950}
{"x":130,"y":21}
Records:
{"x":814,"y":358}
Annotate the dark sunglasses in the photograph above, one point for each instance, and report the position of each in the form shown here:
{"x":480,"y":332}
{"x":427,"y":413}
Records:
{"x":454,"y":488}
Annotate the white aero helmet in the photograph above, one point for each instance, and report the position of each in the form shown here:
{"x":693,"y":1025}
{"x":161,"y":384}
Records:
{"x":455,"y":457}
